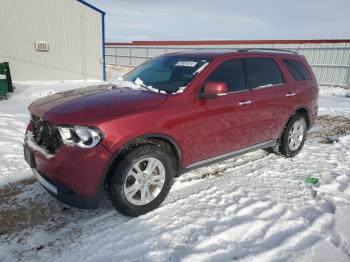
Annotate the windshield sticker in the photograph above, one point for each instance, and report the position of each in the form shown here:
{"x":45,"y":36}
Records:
{"x":186,"y":63}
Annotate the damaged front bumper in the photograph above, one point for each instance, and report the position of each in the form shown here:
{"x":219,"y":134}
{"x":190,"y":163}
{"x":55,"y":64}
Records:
{"x":65,"y":194}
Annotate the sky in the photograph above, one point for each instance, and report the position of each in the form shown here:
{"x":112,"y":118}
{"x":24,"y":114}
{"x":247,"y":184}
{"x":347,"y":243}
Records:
{"x":135,"y":20}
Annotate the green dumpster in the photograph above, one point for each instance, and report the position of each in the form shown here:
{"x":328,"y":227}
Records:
{"x":8,"y":76}
{"x":4,"y":87}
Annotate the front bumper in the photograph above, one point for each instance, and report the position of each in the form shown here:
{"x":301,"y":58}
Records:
{"x":66,"y":195}
{"x":73,"y":175}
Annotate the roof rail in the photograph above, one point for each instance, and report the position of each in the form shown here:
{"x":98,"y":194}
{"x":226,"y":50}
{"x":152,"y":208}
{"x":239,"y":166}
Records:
{"x":267,"y":50}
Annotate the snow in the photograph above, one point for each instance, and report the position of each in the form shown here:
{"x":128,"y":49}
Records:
{"x":201,"y":68}
{"x":33,"y":145}
{"x":251,"y":208}
{"x":334,"y":106}
{"x":333,"y":101}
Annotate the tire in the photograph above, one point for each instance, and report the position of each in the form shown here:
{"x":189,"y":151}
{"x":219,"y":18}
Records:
{"x":131,"y":190}
{"x":292,"y":139}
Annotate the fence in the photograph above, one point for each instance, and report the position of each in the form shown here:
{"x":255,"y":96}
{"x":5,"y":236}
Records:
{"x":330,"y":62}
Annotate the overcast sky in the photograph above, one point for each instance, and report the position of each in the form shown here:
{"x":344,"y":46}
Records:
{"x":128,"y":20}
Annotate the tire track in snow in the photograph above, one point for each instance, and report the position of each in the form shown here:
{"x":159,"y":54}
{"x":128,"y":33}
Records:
{"x":205,"y":195}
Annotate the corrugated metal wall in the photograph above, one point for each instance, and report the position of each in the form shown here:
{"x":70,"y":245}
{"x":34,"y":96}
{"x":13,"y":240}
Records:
{"x":73,"y":31}
{"x":330,"y":61}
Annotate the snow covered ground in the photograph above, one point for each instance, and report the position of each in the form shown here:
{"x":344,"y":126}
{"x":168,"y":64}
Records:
{"x":252,"y":208}
{"x":333,"y":101}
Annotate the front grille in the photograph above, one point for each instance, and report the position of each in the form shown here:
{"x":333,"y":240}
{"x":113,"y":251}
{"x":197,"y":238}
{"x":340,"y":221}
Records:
{"x":46,"y":134}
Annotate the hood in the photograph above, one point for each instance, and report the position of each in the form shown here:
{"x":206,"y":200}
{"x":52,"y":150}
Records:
{"x":86,"y":105}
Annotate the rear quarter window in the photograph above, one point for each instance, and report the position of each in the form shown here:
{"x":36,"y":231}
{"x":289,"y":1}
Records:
{"x":297,"y":69}
{"x":262,"y":72}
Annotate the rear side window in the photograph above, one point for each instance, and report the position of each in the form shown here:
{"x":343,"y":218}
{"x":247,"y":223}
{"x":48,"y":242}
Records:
{"x":232,"y":73}
{"x":297,"y":69}
{"x":262,"y":72}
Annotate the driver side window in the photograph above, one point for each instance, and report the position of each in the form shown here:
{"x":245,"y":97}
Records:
{"x":230,"y":72}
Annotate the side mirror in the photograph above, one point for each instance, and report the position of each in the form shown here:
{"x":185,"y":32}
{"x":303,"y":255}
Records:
{"x":214,"y":89}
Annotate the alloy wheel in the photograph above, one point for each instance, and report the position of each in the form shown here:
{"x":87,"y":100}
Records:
{"x":144,"y":181}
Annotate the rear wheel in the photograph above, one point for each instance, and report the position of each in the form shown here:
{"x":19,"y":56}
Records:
{"x":141,"y":180}
{"x":293,"y":137}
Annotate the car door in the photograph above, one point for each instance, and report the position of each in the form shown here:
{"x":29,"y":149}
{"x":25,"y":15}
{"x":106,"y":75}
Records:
{"x":223,"y":124}
{"x":273,"y":99}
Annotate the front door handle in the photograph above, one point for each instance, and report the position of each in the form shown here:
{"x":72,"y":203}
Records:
{"x":290,"y":94}
{"x":245,"y":102}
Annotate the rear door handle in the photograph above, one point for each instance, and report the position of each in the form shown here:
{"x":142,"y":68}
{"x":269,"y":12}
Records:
{"x":245,"y":102}
{"x":290,"y":94}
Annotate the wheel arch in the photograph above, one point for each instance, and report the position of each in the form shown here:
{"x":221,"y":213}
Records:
{"x":162,"y":140}
{"x":305,"y":111}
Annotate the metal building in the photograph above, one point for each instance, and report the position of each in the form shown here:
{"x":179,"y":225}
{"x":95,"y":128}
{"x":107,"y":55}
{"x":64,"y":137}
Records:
{"x":52,"y":39}
{"x":330,"y":59}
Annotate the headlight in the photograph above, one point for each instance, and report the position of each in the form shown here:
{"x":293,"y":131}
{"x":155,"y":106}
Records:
{"x":80,"y":136}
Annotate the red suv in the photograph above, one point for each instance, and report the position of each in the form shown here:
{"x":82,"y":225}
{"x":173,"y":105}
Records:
{"x":173,"y":113}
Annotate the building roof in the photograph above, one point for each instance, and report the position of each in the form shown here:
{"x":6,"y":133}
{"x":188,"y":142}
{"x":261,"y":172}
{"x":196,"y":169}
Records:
{"x":228,"y":42}
{"x":91,"y":6}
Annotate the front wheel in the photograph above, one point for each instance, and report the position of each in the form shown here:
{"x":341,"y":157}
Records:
{"x":141,"y":180}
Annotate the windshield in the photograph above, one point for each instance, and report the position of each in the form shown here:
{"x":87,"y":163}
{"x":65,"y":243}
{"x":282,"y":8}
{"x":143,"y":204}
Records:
{"x":169,"y":74}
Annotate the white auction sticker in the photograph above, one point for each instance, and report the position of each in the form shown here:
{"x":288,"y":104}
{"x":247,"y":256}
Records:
{"x":186,"y":63}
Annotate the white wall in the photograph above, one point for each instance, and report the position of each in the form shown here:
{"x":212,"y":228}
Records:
{"x":73,"y":31}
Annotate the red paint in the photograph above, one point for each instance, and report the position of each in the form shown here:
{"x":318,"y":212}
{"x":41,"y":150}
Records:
{"x":220,"y":125}
{"x":202,"y":128}
{"x":229,"y":42}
